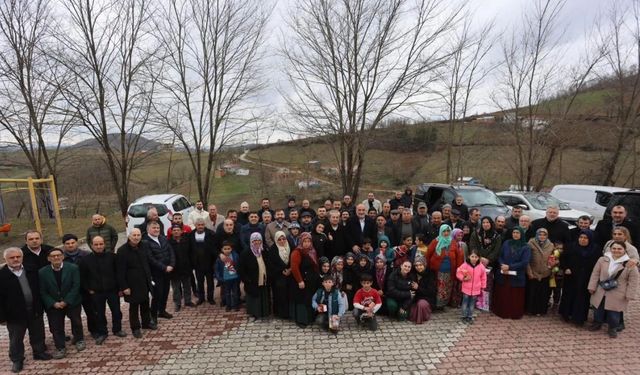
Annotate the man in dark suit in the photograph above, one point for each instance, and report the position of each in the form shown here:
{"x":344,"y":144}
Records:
{"x":203,"y":255}
{"x":60,"y":292}
{"x":337,"y":236}
{"x":21,"y":308}
{"x":162,"y":260}
{"x":34,"y":251}
{"x":360,"y":227}
{"x":618,"y":218}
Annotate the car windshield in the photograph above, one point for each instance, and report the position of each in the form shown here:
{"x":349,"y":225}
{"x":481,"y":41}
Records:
{"x":541,"y":201}
{"x":479,"y":197}
{"x":140,"y":210}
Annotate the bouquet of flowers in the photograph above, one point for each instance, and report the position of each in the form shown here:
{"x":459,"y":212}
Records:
{"x":552,"y":263}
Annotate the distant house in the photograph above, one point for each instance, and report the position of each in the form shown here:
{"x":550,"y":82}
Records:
{"x":468,"y":181}
{"x":315,"y":165}
{"x":242,"y":172}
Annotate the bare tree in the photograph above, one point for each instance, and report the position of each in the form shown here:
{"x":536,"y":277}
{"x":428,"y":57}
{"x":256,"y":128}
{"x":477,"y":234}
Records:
{"x":212,"y":53}
{"x":110,"y":55}
{"x":619,"y":36}
{"x":525,"y":80}
{"x":352,"y":63}
{"x":464,"y":72}
{"x":29,"y":92}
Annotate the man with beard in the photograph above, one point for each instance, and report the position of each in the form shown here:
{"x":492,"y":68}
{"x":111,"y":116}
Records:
{"x":265,"y":206}
{"x":336,"y":235}
{"x":360,"y":227}
{"x":278,"y":225}
{"x":198,"y":212}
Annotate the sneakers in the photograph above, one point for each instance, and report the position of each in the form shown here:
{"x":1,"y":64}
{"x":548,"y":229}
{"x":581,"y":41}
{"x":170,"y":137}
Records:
{"x":165,"y":315}
{"x":100,"y":339}
{"x":80,"y":345}
{"x":120,"y":334}
{"x":137,"y":333}
{"x":59,"y":354}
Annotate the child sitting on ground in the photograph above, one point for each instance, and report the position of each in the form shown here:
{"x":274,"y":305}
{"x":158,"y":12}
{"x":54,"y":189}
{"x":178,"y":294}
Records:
{"x":473,"y":276}
{"x":226,"y":274}
{"x":329,"y":305}
{"x":401,"y":252}
{"x":366,"y":303}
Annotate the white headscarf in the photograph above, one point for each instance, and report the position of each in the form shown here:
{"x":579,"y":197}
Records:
{"x":283,"y":251}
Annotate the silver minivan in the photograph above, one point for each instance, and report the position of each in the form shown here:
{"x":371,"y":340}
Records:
{"x":592,"y":199}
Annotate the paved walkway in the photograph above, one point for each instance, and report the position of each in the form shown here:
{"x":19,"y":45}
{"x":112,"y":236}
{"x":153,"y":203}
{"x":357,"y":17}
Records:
{"x":208,"y":340}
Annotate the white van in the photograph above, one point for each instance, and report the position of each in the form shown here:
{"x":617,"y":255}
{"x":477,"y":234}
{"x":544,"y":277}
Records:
{"x":589,"y":198}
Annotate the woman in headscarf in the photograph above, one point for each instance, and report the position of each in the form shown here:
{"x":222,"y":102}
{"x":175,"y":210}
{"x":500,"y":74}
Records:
{"x":305,"y":270}
{"x":381,"y":273}
{"x":337,"y":272}
{"x":424,"y":285}
{"x":253,"y":273}
{"x":279,"y":273}
{"x":319,"y":239}
{"x":407,"y":198}
{"x":443,"y":258}
{"x":508,"y":292}
{"x":577,"y":261}
{"x":486,"y":241}
{"x":539,"y":273}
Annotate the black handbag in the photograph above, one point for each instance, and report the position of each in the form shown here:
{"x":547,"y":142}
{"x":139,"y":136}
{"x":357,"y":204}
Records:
{"x":612,"y":282}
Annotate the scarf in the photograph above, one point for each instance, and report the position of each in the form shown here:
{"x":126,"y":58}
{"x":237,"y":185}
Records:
{"x":586,"y":251}
{"x":283,"y":251}
{"x":613,"y":263}
{"x":443,"y":242}
{"x":338,"y":276}
{"x":517,"y":244}
{"x":255,"y":249}
{"x":542,"y":244}
{"x":487,"y":236}
{"x":311,"y":252}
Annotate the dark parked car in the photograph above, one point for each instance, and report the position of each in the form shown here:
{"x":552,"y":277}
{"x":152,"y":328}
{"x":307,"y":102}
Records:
{"x":435,"y":195}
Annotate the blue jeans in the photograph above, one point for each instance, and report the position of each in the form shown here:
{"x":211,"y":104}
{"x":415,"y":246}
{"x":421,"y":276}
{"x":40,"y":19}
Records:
{"x":468,"y":305}
{"x":231,"y":293}
{"x":613,"y":317}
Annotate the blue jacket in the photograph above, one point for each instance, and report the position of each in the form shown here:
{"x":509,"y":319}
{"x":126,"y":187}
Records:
{"x":517,"y":261}
{"x":220,"y":271}
{"x":337,"y":305}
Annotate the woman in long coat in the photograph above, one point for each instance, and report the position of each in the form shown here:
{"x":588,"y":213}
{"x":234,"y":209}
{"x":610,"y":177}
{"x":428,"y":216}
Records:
{"x":508,"y":292}
{"x":305,"y":270}
{"x":279,"y":273}
{"x":134,"y":281}
{"x":539,"y":273}
{"x":253,"y":273}
{"x":425,"y":291}
{"x":443,"y":258}
{"x":577,"y":261}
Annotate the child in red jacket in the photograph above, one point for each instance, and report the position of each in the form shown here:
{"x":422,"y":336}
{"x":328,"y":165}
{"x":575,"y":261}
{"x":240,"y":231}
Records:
{"x":473,"y":276}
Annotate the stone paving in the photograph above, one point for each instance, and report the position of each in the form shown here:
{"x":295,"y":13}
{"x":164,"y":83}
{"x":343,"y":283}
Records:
{"x":208,"y":340}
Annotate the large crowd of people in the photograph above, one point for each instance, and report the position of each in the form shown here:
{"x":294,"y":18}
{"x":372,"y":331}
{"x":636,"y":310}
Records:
{"x":313,"y":264}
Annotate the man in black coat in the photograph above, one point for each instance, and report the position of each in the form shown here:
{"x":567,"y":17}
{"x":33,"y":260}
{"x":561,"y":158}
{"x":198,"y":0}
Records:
{"x":229,"y":232}
{"x":34,"y":251}
{"x":162,"y":260}
{"x":134,"y":280}
{"x":558,"y":229}
{"x":180,"y":277}
{"x":360,"y":227}
{"x":618,"y":218}
{"x":21,"y":308}
{"x":152,"y":215}
{"x":99,"y":281}
{"x":337,"y":236}
{"x":202,"y":248}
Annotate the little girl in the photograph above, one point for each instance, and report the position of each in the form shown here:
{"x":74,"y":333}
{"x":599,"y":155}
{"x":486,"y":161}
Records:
{"x":473,"y":276}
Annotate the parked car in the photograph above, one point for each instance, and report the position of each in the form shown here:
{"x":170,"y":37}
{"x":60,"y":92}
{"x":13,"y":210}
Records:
{"x":167,"y":205}
{"x":534,"y":205}
{"x":435,"y":195}
{"x":630,"y":199}
{"x":589,"y":198}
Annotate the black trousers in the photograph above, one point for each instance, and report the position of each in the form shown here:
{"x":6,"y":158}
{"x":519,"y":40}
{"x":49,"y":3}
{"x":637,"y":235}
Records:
{"x":201,"y":276}
{"x":56,"y":323}
{"x":17,"y":330}
{"x":90,"y":311}
{"x":160,"y":294}
{"x":100,"y":300}
{"x":139,"y":311}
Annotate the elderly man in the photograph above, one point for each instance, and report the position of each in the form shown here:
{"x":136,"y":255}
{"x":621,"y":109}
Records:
{"x":360,"y":227}
{"x":202,"y":246}
{"x":337,"y":236}
{"x":162,"y":260}
{"x":34,"y":251}
{"x":243,"y":215}
{"x":152,"y":215}
{"x":557,"y":228}
{"x":99,"y":227}
{"x":99,"y":281}
{"x":197,"y":213}
{"x":60,"y":293}
{"x":134,"y":281}
{"x":214,"y":219}
{"x":278,"y":225}
{"x":21,"y":308}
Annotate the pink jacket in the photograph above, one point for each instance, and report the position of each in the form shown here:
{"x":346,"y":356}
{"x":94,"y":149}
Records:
{"x":478,"y":280}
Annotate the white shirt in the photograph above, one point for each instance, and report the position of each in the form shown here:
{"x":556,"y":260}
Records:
{"x":199,"y":236}
{"x":362,"y":224}
{"x":156,"y":239}
{"x":18,"y":273}
{"x":37,"y":252}
{"x":195,"y":215}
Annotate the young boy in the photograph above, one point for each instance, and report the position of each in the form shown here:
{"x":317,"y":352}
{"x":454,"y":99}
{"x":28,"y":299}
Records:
{"x":329,"y":305}
{"x":367,"y":248}
{"x":226,"y":273}
{"x":366,"y":303}
{"x":402,"y":252}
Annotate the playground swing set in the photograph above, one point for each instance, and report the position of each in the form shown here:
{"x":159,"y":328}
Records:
{"x":5,"y":225}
